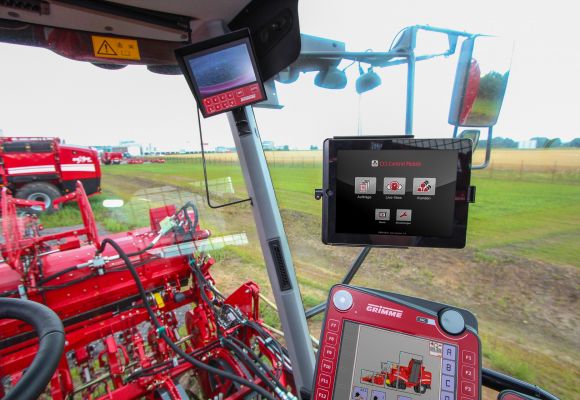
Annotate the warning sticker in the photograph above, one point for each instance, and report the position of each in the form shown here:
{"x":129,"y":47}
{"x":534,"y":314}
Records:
{"x":110,"y":47}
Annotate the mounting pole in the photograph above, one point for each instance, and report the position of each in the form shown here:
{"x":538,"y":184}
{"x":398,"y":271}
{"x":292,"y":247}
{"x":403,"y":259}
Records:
{"x":410,"y":83}
{"x":274,"y":244}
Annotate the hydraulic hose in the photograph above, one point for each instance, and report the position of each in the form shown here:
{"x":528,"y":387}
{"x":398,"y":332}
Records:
{"x":50,"y":332}
{"x":163,"y":335}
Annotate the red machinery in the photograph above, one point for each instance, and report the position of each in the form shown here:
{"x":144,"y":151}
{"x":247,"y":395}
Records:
{"x":42,"y":169}
{"x":413,"y":375}
{"x":401,"y":377}
{"x":113,"y":351}
{"x":111,"y":157}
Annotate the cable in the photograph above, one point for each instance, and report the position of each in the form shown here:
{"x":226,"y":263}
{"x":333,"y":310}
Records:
{"x":273,"y":376}
{"x":161,"y":329}
{"x":274,"y":384}
{"x":231,"y":203}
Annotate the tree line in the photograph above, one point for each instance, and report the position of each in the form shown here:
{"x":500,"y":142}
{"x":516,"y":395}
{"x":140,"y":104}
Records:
{"x":541,"y":143}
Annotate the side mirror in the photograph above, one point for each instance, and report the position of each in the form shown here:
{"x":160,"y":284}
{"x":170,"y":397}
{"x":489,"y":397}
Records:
{"x":480,"y":81}
{"x":472,"y":134}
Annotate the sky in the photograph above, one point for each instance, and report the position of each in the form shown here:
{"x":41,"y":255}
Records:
{"x":43,"y":94}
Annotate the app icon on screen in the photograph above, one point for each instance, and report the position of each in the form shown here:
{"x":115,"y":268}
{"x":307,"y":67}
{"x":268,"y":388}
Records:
{"x":365,"y":185}
{"x":424,"y":186}
{"x":394,"y":186}
{"x":382,"y":214}
{"x":404,"y":215}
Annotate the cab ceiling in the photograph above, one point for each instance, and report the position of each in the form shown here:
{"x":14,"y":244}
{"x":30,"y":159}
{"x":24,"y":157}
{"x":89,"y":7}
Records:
{"x":169,"y":20}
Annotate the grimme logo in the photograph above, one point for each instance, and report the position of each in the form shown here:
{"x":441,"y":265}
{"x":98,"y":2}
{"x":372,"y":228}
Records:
{"x":82,"y":159}
{"x":389,"y":312}
{"x":374,"y":163}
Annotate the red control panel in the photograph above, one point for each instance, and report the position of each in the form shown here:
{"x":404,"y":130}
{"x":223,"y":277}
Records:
{"x":233,"y":98}
{"x":384,"y":346}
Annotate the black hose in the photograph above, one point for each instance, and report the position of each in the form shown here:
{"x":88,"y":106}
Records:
{"x":272,"y":376}
{"x":50,"y":332}
{"x":161,"y":329}
{"x":250,"y":363}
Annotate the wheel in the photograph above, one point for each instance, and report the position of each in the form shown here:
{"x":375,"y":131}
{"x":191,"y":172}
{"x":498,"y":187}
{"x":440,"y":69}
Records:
{"x":417,"y":389}
{"x":39,"y":191}
{"x":424,"y":388}
{"x":401,"y":384}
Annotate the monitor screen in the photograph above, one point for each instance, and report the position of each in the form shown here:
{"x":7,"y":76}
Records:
{"x":399,"y":192}
{"x":380,"y":364}
{"x":396,"y":192}
{"x":222,"y":73}
{"x":222,"y":70}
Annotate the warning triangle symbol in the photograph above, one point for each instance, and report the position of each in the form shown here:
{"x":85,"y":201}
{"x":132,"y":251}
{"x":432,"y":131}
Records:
{"x":106,"y":49}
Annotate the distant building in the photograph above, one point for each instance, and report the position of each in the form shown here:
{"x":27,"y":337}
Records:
{"x":268,"y":145}
{"x":528,"y":144}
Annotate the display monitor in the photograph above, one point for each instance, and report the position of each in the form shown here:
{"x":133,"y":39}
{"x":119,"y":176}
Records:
{"x":396,"y":191}
{"x":222,"y":73}
{"x":405,"y":364}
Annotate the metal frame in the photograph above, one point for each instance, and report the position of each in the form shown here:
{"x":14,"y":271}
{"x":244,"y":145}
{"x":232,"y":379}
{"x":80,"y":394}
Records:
{"x":274,"y":243}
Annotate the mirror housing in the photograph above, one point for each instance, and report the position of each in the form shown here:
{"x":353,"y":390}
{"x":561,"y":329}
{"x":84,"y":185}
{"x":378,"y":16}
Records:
{"x":472,"y":134}
{"x":480,"y":81}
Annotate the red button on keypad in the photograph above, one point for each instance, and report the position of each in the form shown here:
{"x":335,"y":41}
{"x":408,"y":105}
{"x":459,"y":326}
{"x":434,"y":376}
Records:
{"x":326,"y":366}
{"x":468,"y":357}
{"x":333,"y":325}
{"x":467,"y":388}
{"x":324,"y":380}
{"x":329,"y":352}
{"x":322,"y":394}
{"x":468,"y":373}
{"x":331,"y":339}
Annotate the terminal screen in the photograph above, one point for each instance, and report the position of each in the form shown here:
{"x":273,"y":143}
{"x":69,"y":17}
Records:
{"x":396,"y":192}
{"x":379,"y":364}
{"x":223,"y":70}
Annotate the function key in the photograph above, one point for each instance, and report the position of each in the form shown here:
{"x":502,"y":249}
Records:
{"x":467,"y":388}
{"x":239,"y":92}
{"x":322,"y":394}
{"x":222,"y":97}
{"x":225,"y":105}
{"x":448,"y":383}
{"x":449,"y":352}
{"x":230,"y":95}
{"x":449,"y":367}
{"x":329,"y":352}
{"x":447,"y":395}
{"x":215,"y":99}
{"x":207,"y":101}
{"x":326,"y":366}
{"x":331,"y":339}
{"x":324,"y":380}
{"x":232,"y":103}
{"x":468,"y":357}
{"x":333,"y":325}
{"x":218,"y":107}
{"x":468,"y":373}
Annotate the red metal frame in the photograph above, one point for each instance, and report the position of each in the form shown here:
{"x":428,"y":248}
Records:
{"x":102,"y":310}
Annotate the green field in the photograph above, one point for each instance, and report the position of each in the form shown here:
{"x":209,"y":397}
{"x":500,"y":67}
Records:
{"x":519,"y":272}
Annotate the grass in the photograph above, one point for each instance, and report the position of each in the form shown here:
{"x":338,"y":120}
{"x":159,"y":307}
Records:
{"x":538,"y":219}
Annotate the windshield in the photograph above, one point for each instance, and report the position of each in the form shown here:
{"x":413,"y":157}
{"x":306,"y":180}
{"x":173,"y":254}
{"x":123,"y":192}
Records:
{"x":519,"y":271}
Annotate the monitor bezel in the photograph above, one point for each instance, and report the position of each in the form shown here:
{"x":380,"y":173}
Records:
{"x":460,"y":215}
{"x":227,"y":40}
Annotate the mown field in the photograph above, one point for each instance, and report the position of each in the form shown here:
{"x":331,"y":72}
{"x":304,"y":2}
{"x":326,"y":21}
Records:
{"x":519,"y":273}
